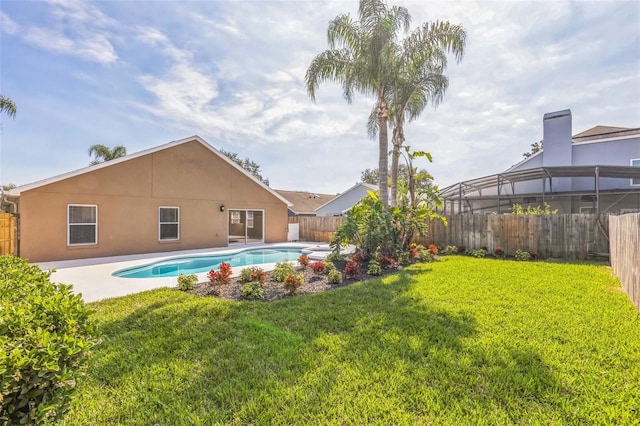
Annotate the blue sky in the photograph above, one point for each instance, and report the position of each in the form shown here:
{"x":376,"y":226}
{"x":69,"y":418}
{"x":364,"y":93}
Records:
{"x":144,"y":73}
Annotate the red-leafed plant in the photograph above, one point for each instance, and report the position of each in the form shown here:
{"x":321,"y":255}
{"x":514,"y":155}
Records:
{"x":293,"y":282}
{"x":498,"y":252}
{"x":317,"y":267}
{"x":387,"y":261}
{"x":357,"y":257}
{"x":222,"y":275}
{"x":433,"y":249}
{"x":352,"y":269}
{"x":303,"y":260}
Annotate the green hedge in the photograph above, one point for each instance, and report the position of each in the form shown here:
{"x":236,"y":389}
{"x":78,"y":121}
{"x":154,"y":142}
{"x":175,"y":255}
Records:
{"x":46,"y":333}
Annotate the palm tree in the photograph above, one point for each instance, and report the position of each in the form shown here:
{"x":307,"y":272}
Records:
{"x":7,"y":106}
{"x":104,"y":153}
{"x":420,"y":80}
{"x":360,"y":58}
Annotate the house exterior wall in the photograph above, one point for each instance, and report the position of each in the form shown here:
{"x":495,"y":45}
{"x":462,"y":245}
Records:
{"x":128,"y":196}
{"x":343,"y":201}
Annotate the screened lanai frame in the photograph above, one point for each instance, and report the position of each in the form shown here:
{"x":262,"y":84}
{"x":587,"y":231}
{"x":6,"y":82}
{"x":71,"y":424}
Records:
{"x":472,"y":189}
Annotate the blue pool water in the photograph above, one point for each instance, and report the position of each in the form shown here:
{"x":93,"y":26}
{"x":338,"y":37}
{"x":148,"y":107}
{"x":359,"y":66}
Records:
{"x":197,"y":264}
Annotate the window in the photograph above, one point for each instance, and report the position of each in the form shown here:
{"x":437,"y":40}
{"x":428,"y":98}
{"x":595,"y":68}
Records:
{"x":249,"y":219}
{"x":635,"y":163}
{"x":82,"y":224}
{"x":169,"y":223}
{"x":235,"y":217}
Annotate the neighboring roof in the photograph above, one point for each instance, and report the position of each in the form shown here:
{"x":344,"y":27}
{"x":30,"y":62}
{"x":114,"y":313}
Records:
{"x":477,"y":185}
{"x":304,"y":202}
{"x":17,"y":191}
{"x":357,"y":185}
{"x":604,"y":132}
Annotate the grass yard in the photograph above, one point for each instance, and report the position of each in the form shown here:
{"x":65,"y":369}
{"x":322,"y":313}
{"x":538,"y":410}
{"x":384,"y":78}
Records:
{"x":460,"y":341}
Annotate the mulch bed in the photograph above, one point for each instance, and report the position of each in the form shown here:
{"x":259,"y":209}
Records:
{"x":272,"y":290}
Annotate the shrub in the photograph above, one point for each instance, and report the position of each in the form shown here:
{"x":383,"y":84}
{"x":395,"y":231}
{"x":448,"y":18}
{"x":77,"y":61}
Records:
{"x":334,"y":256}
{"x":334,"y":276}
{"x":328,"y":267}
{"x":450,"y":250}
{"x":252,"y":290}
{"x":293,"y":282}
{"x":404,"y":258}
{"x":252,"y":274}
{"x":498,"y":252}
{"x":433,"y":249}
{"x":374,"y":268}
{"x":282,"y":270}
{"x":222,"y":275}
{"x":476,"y":253}
{"x":461,"y":249}
{"x":352,"y":269}
{"x":425,"y":255}
{"x":187,"y":282}
{"x":387,"y":261}
{"x":522,"y":255}
{"x":303,"y":260}
{"x":46,"y":334}
{"x":357,"y":257}
{"x":413,"y":251}
{"x":317,"y":267}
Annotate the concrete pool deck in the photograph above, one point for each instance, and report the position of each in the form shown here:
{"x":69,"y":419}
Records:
{"x":93,"y":280}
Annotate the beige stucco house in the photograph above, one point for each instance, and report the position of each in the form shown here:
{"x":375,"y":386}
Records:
{"x":177,"y":196}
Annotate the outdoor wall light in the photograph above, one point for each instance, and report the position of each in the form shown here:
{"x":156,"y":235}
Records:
{"x":221,"y":207}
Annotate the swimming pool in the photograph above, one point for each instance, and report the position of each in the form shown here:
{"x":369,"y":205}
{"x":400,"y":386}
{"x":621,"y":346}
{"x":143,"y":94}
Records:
{"x":175,"y":266}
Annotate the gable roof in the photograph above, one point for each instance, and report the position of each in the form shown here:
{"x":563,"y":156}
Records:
{"x":304,"y":202}
{"x":357,"y":185}
{"x":17,"y":191}
{"x":604,"y":132}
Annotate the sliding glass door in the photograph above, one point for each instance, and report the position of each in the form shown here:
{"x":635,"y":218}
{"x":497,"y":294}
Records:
{"x":246,"y":226}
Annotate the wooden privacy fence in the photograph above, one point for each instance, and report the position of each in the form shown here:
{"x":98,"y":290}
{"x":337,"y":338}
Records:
{"x":317,"y":228}
{"x":567,"y":236}
{"x":625,"y":253}
{"x":7,"y":234}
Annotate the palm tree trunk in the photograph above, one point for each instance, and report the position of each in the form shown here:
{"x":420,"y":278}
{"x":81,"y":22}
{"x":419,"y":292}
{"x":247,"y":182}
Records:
{"x":398,"y":139}
{"x":382,"y":112}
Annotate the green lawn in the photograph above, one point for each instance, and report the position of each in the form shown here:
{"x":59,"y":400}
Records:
{"x":460,"y":341}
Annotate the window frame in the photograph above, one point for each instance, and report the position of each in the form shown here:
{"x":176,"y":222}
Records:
{"x":631,"y":181}
{"x":160,"y":223}
{"x":69,"y":225}
{"x":249,"y":216}
{"x":235,"y":220}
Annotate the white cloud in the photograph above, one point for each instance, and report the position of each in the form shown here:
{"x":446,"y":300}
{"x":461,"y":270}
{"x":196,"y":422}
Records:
{"x":7,"y":24}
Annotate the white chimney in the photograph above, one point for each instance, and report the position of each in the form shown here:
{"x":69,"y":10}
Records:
{"x":557,"y":138}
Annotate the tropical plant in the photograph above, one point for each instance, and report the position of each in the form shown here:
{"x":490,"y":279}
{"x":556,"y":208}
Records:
{"x":317,"y":267}
{"x":293,"y":282}
{"x":303,"y":260}
{"x":102,"y":153}
{"x":522,"y":255}
{"x":419,"y":79}
{"x":8,"y":106}
{"x":222,"y":275}
{"x":282,"y":270}
{"x":253,"y":274}
{"x":374,"y":268}
{"x":187,"y":282}
{"x":334,"y":277}
{"x":252,"y":290}
{"x":361,"y":58}
{"x":370,"y":226}
{"x":352,"y":269}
